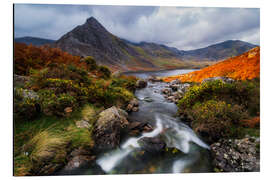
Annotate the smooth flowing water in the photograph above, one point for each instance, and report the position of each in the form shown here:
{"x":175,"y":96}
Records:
{"x":190,"y":153}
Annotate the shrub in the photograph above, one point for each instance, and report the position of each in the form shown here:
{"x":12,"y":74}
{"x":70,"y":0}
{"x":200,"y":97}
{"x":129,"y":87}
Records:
{"x":244,"y":93}
{"x":104,"y":72}
{"x":128,"y":82}
{"x":91,"y":63}
{"x":28,"y":57}
{"x":26,"y":105}
{"x":52,"y":104}
{"x":215,"y":119}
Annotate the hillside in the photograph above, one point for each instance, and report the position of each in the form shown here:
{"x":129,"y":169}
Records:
{"x":245,"y":66}
{"x":34,"y":41}
{"x":218,"y":51}
{"x":92,"y":39}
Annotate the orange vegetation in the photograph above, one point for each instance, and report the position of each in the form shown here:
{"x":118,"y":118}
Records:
{"x":29,"y":56}
{"x":254,"y":122}
{"x":245,"y":66}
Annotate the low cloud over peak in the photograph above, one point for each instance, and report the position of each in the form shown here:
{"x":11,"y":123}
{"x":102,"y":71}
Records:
{"x":184,"y":28}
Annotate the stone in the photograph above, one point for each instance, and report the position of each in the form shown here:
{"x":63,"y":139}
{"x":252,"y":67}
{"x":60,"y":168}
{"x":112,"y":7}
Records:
{"x":177,"y":81}
{"x":108,"y":127}
{"x":141,"y":83}
{"x":236,"y":155}
{"x":83,"y":124}
{"x":133,"y":105}
{"x":79,"y":161}
{"x":152,"y":144}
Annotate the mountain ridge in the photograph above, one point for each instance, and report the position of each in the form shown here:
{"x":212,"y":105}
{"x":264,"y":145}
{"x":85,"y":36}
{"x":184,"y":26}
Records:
{"x":93,"y":39}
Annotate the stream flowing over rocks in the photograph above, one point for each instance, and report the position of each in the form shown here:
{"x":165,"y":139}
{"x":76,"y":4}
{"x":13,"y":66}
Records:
{"x":150,"y":138}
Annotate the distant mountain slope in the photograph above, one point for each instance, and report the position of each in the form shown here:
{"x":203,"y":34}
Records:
{"x":245,"y":66}
{"x":92,"y":39}
{"x":34,"y":41}
{"x":218,"y":51}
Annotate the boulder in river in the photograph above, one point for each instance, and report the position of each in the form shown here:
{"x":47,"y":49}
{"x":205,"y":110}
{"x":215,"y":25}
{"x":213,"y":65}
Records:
{"x":141,"y":83}
{"x":133,"y":105}
{"x":108,"y":128}
{"x":155,"y":79}
{"x":152,"y":144}
{"x":236,"y":155}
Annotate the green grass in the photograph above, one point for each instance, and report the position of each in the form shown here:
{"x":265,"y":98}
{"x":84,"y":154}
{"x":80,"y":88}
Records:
{"x":49,"y":137}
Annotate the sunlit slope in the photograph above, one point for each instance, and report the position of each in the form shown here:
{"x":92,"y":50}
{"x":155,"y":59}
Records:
{"x":245,"y":66}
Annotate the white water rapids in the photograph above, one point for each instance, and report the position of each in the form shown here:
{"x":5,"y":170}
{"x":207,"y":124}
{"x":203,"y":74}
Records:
{"x":176,"y":135}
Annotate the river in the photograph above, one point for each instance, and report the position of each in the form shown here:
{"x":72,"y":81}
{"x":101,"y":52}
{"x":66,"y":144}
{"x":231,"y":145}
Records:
{"x":192,"y":153}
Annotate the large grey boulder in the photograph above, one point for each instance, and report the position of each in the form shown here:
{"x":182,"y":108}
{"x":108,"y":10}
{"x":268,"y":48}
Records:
{"x":108,"y":128}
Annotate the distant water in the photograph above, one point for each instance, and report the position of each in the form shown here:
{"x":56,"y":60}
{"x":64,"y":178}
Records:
{"x":161,"y":73}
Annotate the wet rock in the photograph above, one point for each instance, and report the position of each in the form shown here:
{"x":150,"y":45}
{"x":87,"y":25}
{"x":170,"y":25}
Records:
{"x":166,"y":91}
{"x":108,"y":128}
{"x":175,"y":87}
{"x":174,"y":82}
{"x":223,"y":79}
{"x":155,"y":79}
{"x":236,"y":155}
{"x":152,"y":144}
{"x":133,"y":105}
{"x":171,"y":98}
{"x":141,"y":83}
{"x":136,"y":128}
{"x":79,"y":161}
{"x":148,"y":99}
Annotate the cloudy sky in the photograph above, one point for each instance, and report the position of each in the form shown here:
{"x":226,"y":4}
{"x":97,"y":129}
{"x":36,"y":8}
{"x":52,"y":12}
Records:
{"x":184,"y":28}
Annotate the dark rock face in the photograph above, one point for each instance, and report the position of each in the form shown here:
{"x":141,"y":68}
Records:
{"x":152,"y":144}
{"x":236,"y":155}
{"x":92,"y":39}
{"x":108,"y":128}
{"x":141,"y":83}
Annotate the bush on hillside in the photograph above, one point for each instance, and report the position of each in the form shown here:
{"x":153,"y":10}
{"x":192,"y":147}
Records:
{"x":215,"y":119}
{"x":244,"y":93}
{"x":104,"y":72}
{"x":91,"y":63}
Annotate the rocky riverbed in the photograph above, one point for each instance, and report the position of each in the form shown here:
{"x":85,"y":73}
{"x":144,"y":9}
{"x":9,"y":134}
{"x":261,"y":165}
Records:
{"x":146,"y":137}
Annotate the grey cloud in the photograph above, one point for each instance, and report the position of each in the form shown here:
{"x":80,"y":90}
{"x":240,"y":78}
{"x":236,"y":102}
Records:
{"x":184,"y":28}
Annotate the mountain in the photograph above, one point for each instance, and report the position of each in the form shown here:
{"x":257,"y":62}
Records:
{"x":218,"y":51}
{"x":242,"y":67}
{"x":92,"y":39}
{"x":34,"y":41}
